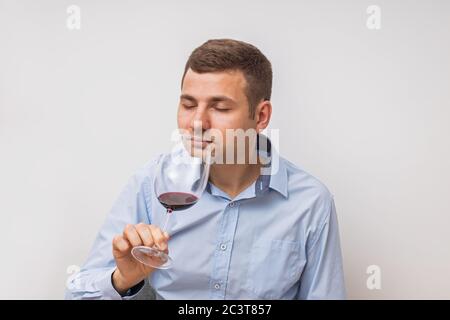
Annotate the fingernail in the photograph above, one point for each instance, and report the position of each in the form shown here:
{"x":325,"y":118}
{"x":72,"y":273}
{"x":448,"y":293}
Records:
{"x":166,"y":234}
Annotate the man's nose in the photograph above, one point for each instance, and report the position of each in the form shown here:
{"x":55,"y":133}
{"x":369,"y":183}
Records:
{"x":201,"y":120}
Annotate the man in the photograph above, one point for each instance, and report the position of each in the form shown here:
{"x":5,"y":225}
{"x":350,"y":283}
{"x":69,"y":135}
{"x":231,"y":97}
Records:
{"x":251,"y":235}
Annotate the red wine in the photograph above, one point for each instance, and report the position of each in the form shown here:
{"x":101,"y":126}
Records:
{"x":177,"y":200}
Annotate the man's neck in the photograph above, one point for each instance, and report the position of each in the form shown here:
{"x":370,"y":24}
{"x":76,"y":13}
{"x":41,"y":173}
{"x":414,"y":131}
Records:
{"x":234,"y":178}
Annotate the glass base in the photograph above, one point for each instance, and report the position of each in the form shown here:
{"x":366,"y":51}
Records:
{"x":152,"y":257}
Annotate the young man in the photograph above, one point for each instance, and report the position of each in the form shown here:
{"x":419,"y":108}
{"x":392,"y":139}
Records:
{"x":251,"y":235}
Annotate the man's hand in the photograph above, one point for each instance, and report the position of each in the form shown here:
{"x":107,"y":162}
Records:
{"x":129,"y":271}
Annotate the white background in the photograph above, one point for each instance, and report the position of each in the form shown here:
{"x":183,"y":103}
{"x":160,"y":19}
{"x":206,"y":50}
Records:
{"x":365,"y":111}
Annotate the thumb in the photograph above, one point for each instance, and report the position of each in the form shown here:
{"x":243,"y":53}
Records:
{"x":166,"y":235}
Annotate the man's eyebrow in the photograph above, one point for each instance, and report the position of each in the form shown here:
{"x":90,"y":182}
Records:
{"x":188,"y":97}
{"x":222,"y":98}
{"x":211,"y":99}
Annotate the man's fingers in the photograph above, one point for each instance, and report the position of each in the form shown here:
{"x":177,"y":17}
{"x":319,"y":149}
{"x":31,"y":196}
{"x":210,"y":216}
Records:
{"x":159,"y":238}
{"x":138,"y":235}
{"x":121,"y":246}
{"x":145,"y":234}
{"x":130,"y":233}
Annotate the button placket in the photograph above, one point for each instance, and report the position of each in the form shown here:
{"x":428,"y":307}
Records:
{"x":222,"y":256}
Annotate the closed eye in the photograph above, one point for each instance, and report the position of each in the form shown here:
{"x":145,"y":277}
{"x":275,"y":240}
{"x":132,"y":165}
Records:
{"x":219,"y":108}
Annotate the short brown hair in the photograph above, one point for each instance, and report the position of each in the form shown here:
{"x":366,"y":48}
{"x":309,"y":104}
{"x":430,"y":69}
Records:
{"x":228,"y":54}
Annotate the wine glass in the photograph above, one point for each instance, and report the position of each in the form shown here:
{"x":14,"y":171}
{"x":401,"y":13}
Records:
{"x":179,"y":182}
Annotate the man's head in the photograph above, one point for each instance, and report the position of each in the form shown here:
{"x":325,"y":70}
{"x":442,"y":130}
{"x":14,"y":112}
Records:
{"x":226,"y":55}
{"x":226,"y":85}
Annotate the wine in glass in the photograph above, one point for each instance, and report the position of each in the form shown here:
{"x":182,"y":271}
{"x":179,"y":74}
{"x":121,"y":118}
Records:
{"x":179,"y":182}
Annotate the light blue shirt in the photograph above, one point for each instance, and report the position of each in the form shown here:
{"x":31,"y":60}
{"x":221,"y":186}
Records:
{"x":278,"y":239}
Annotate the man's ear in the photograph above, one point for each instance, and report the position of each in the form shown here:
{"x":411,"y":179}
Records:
{"x":262,"y":115}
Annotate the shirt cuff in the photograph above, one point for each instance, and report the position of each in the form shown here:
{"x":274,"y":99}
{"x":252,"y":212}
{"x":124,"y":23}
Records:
{"x":105,"y":286}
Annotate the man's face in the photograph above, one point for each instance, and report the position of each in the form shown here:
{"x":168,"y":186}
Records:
{"x":214,"y":102}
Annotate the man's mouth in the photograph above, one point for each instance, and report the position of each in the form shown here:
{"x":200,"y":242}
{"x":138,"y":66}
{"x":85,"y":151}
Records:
{"x":198,"y":142}
{"x":199,"y":139}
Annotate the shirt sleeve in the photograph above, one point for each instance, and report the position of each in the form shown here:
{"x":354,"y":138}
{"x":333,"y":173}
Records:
{"x":93,"y":281}
{"x":323,"y":276}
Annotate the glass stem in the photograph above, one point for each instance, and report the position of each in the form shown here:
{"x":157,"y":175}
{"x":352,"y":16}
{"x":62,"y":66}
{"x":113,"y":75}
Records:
{"x":169,"y":213}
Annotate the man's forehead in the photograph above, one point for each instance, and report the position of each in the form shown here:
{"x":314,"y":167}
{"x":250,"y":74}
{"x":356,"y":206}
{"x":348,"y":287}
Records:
{"x":230,"y":82}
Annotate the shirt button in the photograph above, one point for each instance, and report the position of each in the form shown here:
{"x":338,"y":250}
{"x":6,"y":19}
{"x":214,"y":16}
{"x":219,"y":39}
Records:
{"x":217,"y":286}
{"x":223,"y":247}
{"x":232,"y":204}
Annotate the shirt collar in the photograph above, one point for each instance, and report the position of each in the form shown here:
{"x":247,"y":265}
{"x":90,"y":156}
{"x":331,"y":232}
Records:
{"x":275,"y":170}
